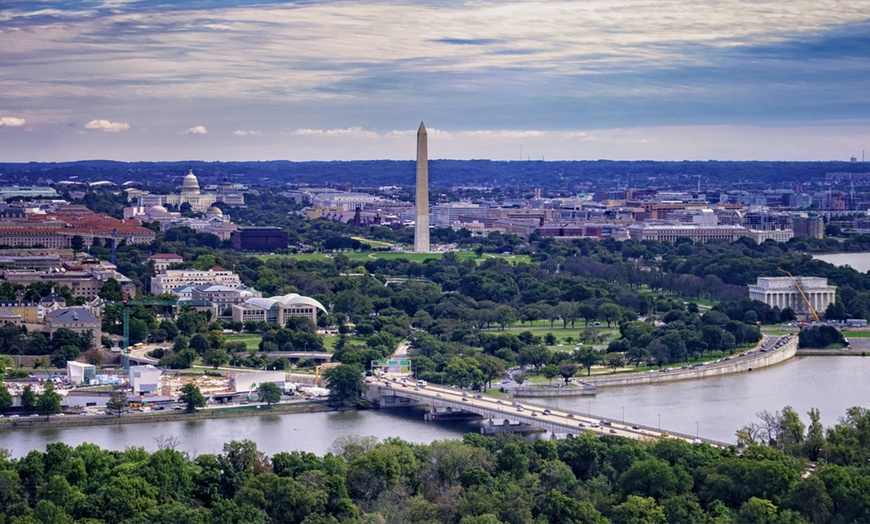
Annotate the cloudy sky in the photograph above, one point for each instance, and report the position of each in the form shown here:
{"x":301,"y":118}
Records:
{"x":499,"y":79}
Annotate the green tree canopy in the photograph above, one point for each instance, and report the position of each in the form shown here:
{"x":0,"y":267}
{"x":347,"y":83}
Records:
{"x":346,"y":384}
{"x":192,"y":397}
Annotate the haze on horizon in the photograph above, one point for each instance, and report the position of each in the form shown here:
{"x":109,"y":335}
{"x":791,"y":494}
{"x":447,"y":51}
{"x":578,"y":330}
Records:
{"x":342,"y":80}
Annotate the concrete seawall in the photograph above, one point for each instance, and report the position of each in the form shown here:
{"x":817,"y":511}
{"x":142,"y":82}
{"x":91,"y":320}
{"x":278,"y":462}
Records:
{"x":756,"y":360}
{"x":573,"y":391}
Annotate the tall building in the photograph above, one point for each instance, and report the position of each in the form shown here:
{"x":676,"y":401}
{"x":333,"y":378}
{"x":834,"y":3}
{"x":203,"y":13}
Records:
{"x":421,"y":201}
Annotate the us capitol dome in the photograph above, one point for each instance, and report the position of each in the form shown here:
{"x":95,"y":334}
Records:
{"x":190,"y":185}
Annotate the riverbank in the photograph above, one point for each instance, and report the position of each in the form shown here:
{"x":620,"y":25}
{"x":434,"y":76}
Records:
{"x":830,"y":353}
{"x":756,"y":359}
{"x":77,"y":421}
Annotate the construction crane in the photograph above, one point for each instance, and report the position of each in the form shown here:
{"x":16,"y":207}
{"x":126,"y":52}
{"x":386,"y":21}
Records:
{"x":317,"y":371}
{"x":801,"y":291}
{"x":127,"y":304}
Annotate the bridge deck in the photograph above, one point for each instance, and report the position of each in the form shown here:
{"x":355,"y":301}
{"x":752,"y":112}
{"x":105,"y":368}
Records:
{"x":556,"y":421}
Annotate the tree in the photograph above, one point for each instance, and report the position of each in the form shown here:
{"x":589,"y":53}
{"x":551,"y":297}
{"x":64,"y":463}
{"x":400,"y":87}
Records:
{"x":614,"y":361}
{"x":609,"y":312}
{"x":550,"y":371}
{"x":217,"y":358}
{"x":567,"y":370}
{"x":346,"y":384}
{"x":5,"y":397}
{"x":117,"y":401}
{"x":192,"y":397}
{"x":28,"y":397}
{"x":639,"y":510}
{"x":62,"y":355}
{"x":77,"y":242}
{"x":49,"y":402}
{"x":111,"y":290}
{"x":464,"y":372}
{"x":94,"y":357}
{"x":269,"y":392}
{"x":505,"y":316}
{"x":200,"y":344}
{"x":638,"y":355}
{"x":587,"y":357}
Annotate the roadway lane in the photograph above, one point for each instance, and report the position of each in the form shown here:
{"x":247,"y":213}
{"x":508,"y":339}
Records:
{"x":530,"y":413}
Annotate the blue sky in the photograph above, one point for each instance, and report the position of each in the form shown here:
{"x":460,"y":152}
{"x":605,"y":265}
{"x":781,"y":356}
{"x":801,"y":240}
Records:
{"x":246,"y":80}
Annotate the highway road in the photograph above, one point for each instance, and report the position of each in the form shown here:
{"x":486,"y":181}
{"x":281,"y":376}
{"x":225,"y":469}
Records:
{"x":512,"y":409}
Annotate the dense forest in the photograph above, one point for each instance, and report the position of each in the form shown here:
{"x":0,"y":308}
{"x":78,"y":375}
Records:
{"x":573,"y":175}
{"x":798,"y":474}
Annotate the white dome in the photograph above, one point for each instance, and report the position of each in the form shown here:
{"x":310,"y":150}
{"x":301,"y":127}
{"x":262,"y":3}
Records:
{"x":214,"y":211}
{"x":156,"y":210}
{"x":190,"y":185}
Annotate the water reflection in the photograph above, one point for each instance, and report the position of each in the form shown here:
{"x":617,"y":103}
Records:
{"x":719,"y":406}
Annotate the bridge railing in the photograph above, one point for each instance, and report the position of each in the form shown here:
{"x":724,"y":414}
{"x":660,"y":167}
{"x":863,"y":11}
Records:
{"x":542,"y":421}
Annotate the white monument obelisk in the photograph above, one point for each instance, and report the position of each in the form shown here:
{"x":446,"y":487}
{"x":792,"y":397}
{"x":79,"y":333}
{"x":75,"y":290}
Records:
{"x":421,"y":200}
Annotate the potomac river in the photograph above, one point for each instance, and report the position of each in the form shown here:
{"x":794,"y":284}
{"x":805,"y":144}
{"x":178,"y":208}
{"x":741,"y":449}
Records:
{"x":714,"y":407}
{"x":857,"y":261}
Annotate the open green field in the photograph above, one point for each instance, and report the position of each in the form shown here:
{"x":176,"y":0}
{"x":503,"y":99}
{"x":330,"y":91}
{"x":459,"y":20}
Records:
{"x":373,"y":243}
{"x":252,"y":340}
{"x":856,"y":334}
{"x":557,"y":331}
{"x":391,"y":255}
{"x":598,"y":370}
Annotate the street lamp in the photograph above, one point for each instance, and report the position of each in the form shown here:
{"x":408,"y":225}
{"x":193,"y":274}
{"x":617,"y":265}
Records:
{"x":623,"y":413}
{"x":697,"y":433}
{"x":660,"y":422}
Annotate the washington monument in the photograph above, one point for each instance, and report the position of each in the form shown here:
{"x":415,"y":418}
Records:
{"x":421,"y":201}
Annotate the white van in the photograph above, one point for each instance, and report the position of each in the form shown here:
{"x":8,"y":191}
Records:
{"x":421,"y":383}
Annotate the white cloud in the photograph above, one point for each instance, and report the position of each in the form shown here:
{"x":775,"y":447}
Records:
{"x":11,"y":121}
{"x":107,"y":126}
{"x":197,"y":130}
{"x":355,"y":131}
{"x":504,"y":133}
{"x":242,"y":132}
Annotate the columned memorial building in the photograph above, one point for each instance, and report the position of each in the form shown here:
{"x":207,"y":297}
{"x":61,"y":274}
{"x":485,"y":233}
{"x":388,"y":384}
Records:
{"x":781,"y":292}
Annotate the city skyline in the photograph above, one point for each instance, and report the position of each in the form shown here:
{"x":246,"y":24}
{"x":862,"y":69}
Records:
{"x":157,"y":80}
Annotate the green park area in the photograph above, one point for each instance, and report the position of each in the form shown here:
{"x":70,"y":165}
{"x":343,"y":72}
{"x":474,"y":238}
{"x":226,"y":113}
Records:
{"x":364,"y":256}
{"x":252,"y":340}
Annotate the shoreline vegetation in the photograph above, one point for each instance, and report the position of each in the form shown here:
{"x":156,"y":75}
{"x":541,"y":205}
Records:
{"x":208,"y":413}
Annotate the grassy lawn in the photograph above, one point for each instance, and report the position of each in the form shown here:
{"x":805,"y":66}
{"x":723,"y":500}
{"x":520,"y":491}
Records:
{"x":575,"y":334}
{"x":330,"y":342}
{"x":856,"y":334}
{"x":537,"y":378}
{"x":389,"y":255}
{"x":251,"y":340}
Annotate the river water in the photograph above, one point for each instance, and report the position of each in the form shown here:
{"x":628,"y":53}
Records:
{"x":857,"y":261}
{"x":714,"y":407}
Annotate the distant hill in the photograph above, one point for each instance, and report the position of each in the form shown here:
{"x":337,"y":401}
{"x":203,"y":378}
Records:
{"x":574,"y":175}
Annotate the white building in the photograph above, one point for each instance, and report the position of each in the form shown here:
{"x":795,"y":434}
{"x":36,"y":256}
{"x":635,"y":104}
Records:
{"x":248,"y":382}
{"x":80,"y":373}
{"x":190,"y":194}
{"x":171,"y":279}
{"x":145,"y":380}
{"x":781,"y":292}
{"x":277,"y":310}
{"x":444,"y":215}
{"x":162,"y":261}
